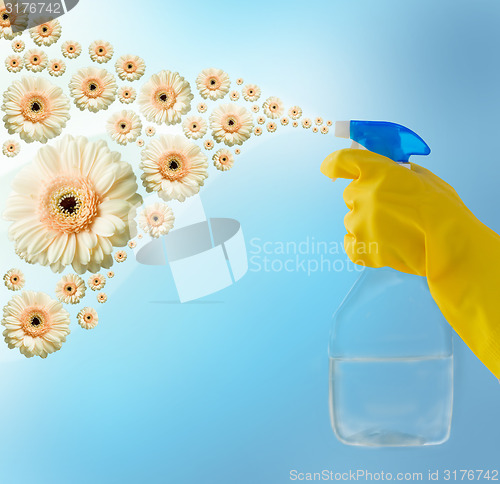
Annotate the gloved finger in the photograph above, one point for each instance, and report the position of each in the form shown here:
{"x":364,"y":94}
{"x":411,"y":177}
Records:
{"x":352,"y":163}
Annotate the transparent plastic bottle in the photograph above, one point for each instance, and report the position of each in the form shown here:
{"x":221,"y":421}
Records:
{"x":391,"y":363}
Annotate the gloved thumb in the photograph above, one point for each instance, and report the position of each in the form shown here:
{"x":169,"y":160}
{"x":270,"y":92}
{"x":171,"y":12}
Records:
{"x":351,"y":163}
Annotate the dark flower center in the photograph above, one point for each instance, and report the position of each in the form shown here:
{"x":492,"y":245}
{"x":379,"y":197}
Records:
{"x":92,"y":87}
{"x":69,"y":204}
{"x":173,"y":165}
{"x":5,"y":16}
{"x":35,"y":322}
{"x":35,"y":107}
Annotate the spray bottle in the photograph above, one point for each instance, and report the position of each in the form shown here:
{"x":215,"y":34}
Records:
{"x":391,"y":351}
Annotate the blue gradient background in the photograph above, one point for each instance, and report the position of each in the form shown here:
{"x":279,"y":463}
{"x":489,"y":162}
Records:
{"x":233,"y":389}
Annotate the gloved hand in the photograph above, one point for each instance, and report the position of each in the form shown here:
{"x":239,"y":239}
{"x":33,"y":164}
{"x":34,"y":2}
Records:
{"x":414,"y":222}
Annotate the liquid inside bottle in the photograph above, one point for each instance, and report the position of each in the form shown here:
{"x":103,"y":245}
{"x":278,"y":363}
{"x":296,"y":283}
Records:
{"x":391,"y":364}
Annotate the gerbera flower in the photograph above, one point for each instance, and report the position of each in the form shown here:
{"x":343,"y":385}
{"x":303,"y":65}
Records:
{"x":255,"y":108}
{"x":223,"y":159}
{"x":35,"y":109}
{"x":71,"y":49}
{"x":17,"y":45}
{"x":11,"y":148}
{"x":126,"y":94}
{"x":239,"y":81}
{"x":306,"y":123}
{"x":202,"y":108}
{"x":110,"y":274}
{"x":132,"y":244}
{"x":35,"y":323}
{"x":93,"y":88}
{"x":35,"y":60}
{"x":234,"y":96}
{"x":295,"y":112}
{"x":72,"y":205}
{"x":121,"y":256}
{"x":140,"y":143}
{"x":231,"y":124}
{"x":273,"y":107}
{"x":237,"y":151}
{"x":102,"y":297}
{"x":14,"y":63}
{"x":150,"y":131}
{"x":12,"y":22}
{"x":251,"y":92}
{"x":194,"y":127}
{"x":165,"y":97}
{"x":324,"y":129}
{"x":88,"y":318}
{"x":70,"y":289}
{"x":257,"y":131}
{"x":139,"y":236}
{"x":319,"y":120}
{"x":295,"y":124}
{"x":47,"y":32}
{"x":315,"y":129}
{"x":208,"y":144}
{"x":174,"y":167}
{"x":284,"y":121}
{"x":100,"y":51}
{"x":271,"y":127}
{"x":56,"y":67}
{"x":130,"y":67}
{"x":96,"y":282}
{"x":156,"y":219}
{"x":213,"y":83}
{"x":14,"y":280}
{"x":124,"y":127}
{"x":261,"y":119}
{"x":329,"y":123}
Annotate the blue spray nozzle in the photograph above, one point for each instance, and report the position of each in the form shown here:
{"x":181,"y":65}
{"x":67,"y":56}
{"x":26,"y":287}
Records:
{"x":393,"y":140}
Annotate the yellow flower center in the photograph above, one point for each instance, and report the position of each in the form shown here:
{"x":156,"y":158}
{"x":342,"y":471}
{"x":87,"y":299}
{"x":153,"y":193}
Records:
{"x":45,"y":30}
{"x":70,"y":289}
{"x":93,"y":88}
{"x":165,"y":98}
{"x":129,"y":67}
{"x":213,"y":83}
{"x":123,"y":126}
{"x":34,"y":107}
{"x":35,"y":60}
{"x":156,"y":219}
{"x":172,"y":166}
{"x":68,"y":205}
{"x":35,"y":322}
{"x":231,"y":124}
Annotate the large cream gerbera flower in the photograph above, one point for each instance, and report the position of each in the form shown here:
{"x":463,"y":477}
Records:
{"x":194,"y":127}
{"x":124,"y":127}
{"x":70,"y":289}
{"x":273,"y":107}
{"x":100,"y":51}
{"x":12,"y":20}
{"x":35,"y":323}
{"x":35,"y":109}
{"x":213,"y":83}
{"x":156,"y":219}
{"x":47,"y":32}
{"x":35,"y":60}
{"x":130,"y":67}
{"x":93,"y":88}
{"x":72,"y":205}
{"x":174,"y":167}
{"x":165,"y":98}
{"x":231,"y":124}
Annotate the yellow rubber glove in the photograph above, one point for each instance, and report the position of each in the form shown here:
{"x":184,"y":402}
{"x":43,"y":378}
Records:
{"x":419,"y":225}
